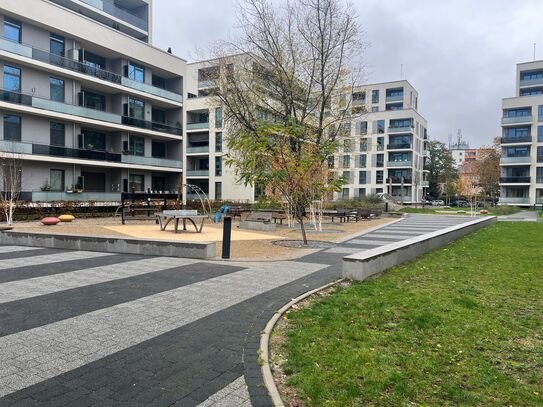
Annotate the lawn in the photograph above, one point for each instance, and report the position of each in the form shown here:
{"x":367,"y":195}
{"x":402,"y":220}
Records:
{"x":460,"y":326}
{"x":493,"y":211}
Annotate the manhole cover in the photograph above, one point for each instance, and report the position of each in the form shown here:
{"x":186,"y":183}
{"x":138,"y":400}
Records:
{"x":299,"y":244}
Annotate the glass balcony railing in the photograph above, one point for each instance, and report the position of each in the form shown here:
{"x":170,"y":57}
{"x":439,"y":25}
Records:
{"x":511,"y":140}
{"x":512,"y":180}
{"x":15,"y":147}
{"x":399,"y":146}
{"x":514,"y":200}
{"x":75,"y":110}
{"x":516,"y":119}
{"x":51,"y":196}
{"x":399,"y":163}
{"x":197,"y":173}
{"x":539,"y":200}
{"x":539,"y":180}
{"x":401,"y":129}
{"x":398,"y":180}
{"x":198,"y":149}
{"x":112,"y":9}
{"x":529,"y":82}
{"x":198,"y":126}
{"x":144,"y":124}
{"x":85,"y":68}
{"x":207,"y":84}
{"x":425,"y":184}
{"x":394,"y":98}
{"x":156,"y":162}
{"x":406,"y":198}
{"x":514,"y":160}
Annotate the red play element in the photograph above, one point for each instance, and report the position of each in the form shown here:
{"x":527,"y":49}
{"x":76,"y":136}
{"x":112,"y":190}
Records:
{"x":50,"y":221}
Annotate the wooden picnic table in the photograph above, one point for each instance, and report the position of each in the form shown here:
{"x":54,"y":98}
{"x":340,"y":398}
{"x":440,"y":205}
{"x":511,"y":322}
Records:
{"x":164,"y":219}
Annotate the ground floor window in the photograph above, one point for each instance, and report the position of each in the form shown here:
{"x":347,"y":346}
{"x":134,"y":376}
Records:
{"x":136,"y":182}
{"x":56,"y":180}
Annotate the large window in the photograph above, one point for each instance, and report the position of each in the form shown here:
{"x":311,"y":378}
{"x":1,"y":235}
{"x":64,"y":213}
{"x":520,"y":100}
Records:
{"x":517,"y":132}
{"x":12,"y":127}
{"x":540,"y":134}
{"x":159,"y":82}
{"x":531,"y":92}
{"x":158,"y":149}
{"x":218,"y":166}
{"x":12,"y":79}
{"x":218,"y":142}
{"x":136,"y":145}
{"x":362,"y":127}
{"x":518,"y":112}
{"x":379,"y":177}
{"x":93,"y":140}
{"x":346,"y":161}
{"x":517,"y":152}
{"x":56,"y":89}
{"x":136,"y":72}
{"x":136,"y":109}
{"x":136,"y":182}
{"x":57,"y":134}
{"x":399,"y":157}
{"x":362,"y":160}
{"x":12,"y":30}
{"x":375,"y":96}
{"x":362,"y":177}
{"x":56,"y":180}
{"x":218,"y":190}
{"x":158,"y":116}
{"x":56,"y":45}
{"x":380,"y":126}
{"x":94,"y":101}
{"x":401,"y":123}
{"x":94,"y":61}
{"x":527,"y":75}
{"x":218,"y":117}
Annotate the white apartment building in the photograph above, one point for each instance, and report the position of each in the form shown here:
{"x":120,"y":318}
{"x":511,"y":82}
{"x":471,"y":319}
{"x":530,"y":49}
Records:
{"x":87,"y":103}
{"x":385,"y":152}
{"x":521,"y":163}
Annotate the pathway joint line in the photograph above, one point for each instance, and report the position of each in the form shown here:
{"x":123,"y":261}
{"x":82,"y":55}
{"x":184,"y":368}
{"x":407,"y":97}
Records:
{"x":265,"y":342}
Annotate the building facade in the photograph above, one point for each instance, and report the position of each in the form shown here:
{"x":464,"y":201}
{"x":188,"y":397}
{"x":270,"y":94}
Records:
{"x":90,"y":107}
{"x":521,"y":181}
{"x":384,"y":151}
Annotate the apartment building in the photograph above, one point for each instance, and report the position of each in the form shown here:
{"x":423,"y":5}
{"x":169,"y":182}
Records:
{"x":384,"y":149}
{"x":90,"y":107}
{"x":521,"y":181}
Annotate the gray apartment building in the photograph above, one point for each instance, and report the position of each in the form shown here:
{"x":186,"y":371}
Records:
{"x":87,"y":103}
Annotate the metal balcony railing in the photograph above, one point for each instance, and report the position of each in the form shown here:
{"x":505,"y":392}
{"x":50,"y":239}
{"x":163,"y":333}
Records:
{"x":506,"y":180}
{"x":145,"y":124}
{"x":125,"y":15}
{"x":511,"y":140}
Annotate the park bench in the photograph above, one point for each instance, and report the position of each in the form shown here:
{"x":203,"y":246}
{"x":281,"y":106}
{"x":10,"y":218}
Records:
{"x":261,"y":221}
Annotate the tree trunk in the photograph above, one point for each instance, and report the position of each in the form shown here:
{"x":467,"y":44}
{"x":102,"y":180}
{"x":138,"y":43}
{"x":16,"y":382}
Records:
{"x":302,"y":227}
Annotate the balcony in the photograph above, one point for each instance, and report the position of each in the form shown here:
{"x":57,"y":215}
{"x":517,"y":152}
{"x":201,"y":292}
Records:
{"x":152,"y":161}
{"x":515,"y":160}
{"x":112,"y":9}
{"x":211,"y":83}
{"x":395,"y":98}
{"x":515,"y":180}
{"x":531,"y":82}
{"x":512,"y":140}
{"x":401,"y":129}
{"x":197,"y":173}
{"x":516,"y":119}
{"x":144,"y":124}
{"x":84,"y":68}
{"x":398,"y":180}
{"x":198,"y":150}
{"x":399,"y":163}
{"x":75,"y":110}
{"x":398,"y":198}
{"x":514,"y":200}
{"x":198,"y":126}
{"x":49,"y":196}
{"x":399,"y":146}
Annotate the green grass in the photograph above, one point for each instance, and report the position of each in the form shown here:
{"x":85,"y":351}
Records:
{"x":497,"y":210}
{"x":460,"y":326}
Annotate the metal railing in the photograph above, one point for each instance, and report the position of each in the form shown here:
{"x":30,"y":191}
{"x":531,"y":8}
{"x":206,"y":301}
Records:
{"x":511,"y":140}
{"x":505,"y":180}
{"x":398,"y":180}
{"x":528,"y":82}
{"x":118,"y":12}
{"x":145,"y":124}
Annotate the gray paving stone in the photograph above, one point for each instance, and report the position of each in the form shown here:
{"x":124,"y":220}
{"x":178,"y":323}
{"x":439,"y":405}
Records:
{"x":49,"y":258}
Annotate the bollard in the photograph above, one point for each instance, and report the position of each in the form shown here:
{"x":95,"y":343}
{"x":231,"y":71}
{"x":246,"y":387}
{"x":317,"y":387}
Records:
{"x":386,"y":206}
{"x":226,"y":237}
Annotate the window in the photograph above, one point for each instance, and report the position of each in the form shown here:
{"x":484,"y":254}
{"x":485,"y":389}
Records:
{"x":362,"y":128}
{"x":136,"y":145}
{"x":12,"y":79}
{"x":136,"y":182}
{"x":528,"y":75}
{"x":361,"y":192}
{"x":517,"y":151}
{"x":380,"y":126}
{"x":347,"y":146}
{"x":218,"y":190}
{"x":218,"y":142}
{"x":540,"y":134}
{"x":401,"y":123}
{"x":57,"y":134}
{"x":218,"y":166}
{"x":158,"y":149}
{"x":12,"y":30}
{"x":158,"y":183}
{"x":362,"y":177}
{"x":136,"y":72}
{"x":93,"y":140}
{"x":380,"y":159}
{"x":531,"y":92}
{"x":94,"y":61}
{"x":218,"y":117}
{"x":374,"y":109}
{"x":159,"y":82}
{"x":396,"y":92}
{"x":94,"y":101}
{"x":379,"y":177}
{"x":346,"y":161}
{"x":517,"y":112}
{"x":158,"y":116}
{"x":331,"y":161}
{"x":399,"y":157}
{"x":56,"y":45}
{"x":56,"y":89}
{"x":362,"y":161}
{"x":375,"y":96}
{"x":136,"y":108}
{"x":517,"y":132}
{"x":56,"y":180}
{"x":345,"y":193}
{"x":380,"y":143}
{"x":12,"y":127}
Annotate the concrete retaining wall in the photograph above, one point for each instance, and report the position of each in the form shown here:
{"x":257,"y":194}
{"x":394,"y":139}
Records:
{"x":195,"y":250}
{"x":362,"y":265}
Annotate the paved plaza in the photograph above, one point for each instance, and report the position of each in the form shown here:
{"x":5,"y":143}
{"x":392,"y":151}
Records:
{"x":86,"y":328}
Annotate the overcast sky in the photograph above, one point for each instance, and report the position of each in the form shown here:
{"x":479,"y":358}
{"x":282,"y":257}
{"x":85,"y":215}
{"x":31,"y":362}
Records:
{"x":459,"y":54}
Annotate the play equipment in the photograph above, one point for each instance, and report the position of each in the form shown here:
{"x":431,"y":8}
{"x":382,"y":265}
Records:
{"x":202,"y":197}
{"x":66,"y":218}
{"x":222,"y":210}
{"x":50,"y":221}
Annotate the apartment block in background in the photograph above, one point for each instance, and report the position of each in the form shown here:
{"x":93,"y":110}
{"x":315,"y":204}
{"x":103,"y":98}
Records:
{"x":521,"y":181}
{"x":384,"y":148}
{"x":89,"y":105}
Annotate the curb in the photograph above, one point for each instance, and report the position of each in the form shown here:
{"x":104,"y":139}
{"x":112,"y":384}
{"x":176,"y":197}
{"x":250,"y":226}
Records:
{"x":265,"y":343}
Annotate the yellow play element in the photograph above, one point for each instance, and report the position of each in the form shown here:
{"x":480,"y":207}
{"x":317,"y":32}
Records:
{"x":66,"y":218}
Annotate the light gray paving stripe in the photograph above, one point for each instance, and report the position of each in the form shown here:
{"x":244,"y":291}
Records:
{"x":21,"y":289}
{"x":400,"y":232}
{"x":235,"y":394}
{"x":386,"y":236}
{"x":345,"y":250}
{"x":48,"y":258}
{"x":9,"y":249}
{"x":369,"y":241}
{"x":31,"y":356}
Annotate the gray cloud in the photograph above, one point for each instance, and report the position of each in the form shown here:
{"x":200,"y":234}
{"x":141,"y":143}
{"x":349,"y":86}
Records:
{"x":459,"y":54}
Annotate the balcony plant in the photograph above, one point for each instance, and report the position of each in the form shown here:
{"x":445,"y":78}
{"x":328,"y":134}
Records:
{"x":46,"y":187}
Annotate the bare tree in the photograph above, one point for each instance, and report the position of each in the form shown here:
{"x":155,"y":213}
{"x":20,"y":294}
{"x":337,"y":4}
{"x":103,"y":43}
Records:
{"x":292,"y":70}
{"x":10,"y":176}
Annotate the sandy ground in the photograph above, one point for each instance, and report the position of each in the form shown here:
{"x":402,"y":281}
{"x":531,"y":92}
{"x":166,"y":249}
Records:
{"x":246,"y":244}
